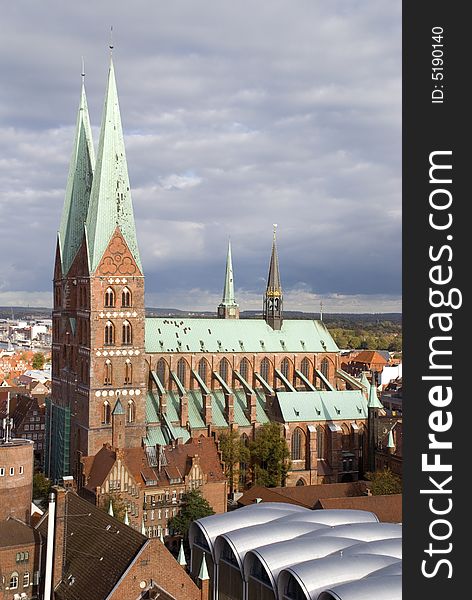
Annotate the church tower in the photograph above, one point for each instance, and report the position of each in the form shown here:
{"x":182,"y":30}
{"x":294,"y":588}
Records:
{"x":273,"y":299}
{"x":228,"y":309}
{"x":99,"y":314}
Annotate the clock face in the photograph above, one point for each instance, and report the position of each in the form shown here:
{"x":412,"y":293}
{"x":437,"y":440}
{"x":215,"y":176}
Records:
{"x":270,"y":303}
{"x":276,"y":303}
{"x":232,"y":311}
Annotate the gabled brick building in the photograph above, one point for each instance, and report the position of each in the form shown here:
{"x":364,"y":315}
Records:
{"x":151,"y":482}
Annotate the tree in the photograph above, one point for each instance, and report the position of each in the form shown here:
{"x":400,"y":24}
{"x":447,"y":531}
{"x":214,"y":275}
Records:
{"x":118,"y":504}
{"x":233,"y":452}
{"x":38,"y":360}
{"x":194,"y":506}
{"x":41,"y":488}
{"x":384,"y":482}
{"x":270,"y":457}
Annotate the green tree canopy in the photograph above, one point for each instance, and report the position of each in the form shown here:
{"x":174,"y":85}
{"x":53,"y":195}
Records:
{"x":41,"y":488}
{"x":194,"y":506}
{"x":118,"y":504}
{"x":269,"y":456}
{"x":384,"y":482}
{"x":38,"y":360}
{"x":233,"y":452}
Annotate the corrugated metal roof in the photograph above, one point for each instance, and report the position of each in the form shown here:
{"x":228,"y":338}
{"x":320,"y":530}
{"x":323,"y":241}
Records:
{"x":322,"y":405}
{"x":236,"y":335}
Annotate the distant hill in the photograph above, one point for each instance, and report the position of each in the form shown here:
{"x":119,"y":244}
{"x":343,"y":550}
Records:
{"x":333,"y":319}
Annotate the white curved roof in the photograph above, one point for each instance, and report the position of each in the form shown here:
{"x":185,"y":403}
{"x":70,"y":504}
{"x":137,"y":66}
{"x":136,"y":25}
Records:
{"x":386,"y":547}
{"x":365,"y":532}
{"x":393,"y":569}
{"x":314,"y":576}
{"x":385,"y":588}
{"x":275,"y":557}
{"x":335,"y":516}
{"x":254,"y":514}
{"x":243,"y":540}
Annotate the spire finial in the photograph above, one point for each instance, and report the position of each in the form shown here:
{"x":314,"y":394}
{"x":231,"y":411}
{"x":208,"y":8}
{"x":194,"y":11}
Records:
{"x":274,"y":225}
{"x":111,"y":46}
{"x":321,"y":310}
{"x":83,"y":70}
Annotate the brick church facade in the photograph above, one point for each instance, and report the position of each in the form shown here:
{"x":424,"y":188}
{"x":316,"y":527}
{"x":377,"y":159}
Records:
{"x":176,"y":378}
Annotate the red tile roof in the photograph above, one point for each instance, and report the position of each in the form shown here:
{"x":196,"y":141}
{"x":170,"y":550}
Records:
{"x":387,"y":508}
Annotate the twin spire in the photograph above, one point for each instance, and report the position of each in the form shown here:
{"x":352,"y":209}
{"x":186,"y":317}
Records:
{"x":98,"y":197}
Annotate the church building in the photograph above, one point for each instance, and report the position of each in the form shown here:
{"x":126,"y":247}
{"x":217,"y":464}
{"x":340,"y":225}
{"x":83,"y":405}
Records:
{"x":179,"y":378}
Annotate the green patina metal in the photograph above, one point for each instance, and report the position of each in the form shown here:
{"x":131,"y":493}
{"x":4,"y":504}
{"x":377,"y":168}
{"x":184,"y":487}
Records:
{"x":110,"y":199}
{"x":322,"y":406}
{"x":79,"y":185}
{"x":230,"y":335}
{"x":228,"y":291}
{"x":57,"y":432}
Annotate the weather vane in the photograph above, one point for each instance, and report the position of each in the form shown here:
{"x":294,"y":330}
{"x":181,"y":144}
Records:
{"x":111,"y":40}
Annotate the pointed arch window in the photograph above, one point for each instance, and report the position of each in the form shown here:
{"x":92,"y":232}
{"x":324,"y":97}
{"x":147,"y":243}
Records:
{"x":109,"y":333}
{"x":108,"y":374}
{"x":320,"y":442}
{"x":305,"y":367}
{"x":109,"y":298}
{"x":127,"y":334}
{"x":285,"y":367}
{"x":106,"y":413}
{"x":325,"y":367}
{"x":128,"y":372}
{"x":126,"y":298}
{"x":244,"y":368}
{"x":202,"y":369}
{"x":297,"y":439}
{"x":182,"y":371}
{"x":161,"y":370}
{"x":265,"y":368}
{"x":131,"y":412}
{"x":223,"y":369}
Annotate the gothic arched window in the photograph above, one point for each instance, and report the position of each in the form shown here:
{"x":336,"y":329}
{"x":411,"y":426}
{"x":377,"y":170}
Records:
{"x":127,"y":334}
{"x":320,"y":442}
{"x":131,"y":413}
{"x":125,"y":298}
{"x":107,"y":379}
{"x":109,"y":333}
{"x":223,"y":369}
{"x":161,"y":371}
{"x":128,"y":372}
{"x":202,"y":369}
{"x":109,"y":298}
{"x":265,"y":367}
{"x":305,"y":367}
{"x":325,"y":367}
{"x":297,"y":439}
{"x":106,"y":413}
{"x":244,"y":368}
{"x":182,"y":371}
{"x":284,"y":367}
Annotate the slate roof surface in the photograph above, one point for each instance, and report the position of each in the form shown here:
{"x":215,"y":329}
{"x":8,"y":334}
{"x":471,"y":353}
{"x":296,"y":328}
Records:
{"x":236,"y":335}
{"x":15,"y":533}
{"x":98,"y":550}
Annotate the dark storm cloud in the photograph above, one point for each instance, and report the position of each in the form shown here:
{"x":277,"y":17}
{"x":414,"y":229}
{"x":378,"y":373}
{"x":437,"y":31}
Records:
{"x":236,"y":116}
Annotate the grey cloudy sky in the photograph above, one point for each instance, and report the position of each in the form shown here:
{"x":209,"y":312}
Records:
{"x":236,"y":115}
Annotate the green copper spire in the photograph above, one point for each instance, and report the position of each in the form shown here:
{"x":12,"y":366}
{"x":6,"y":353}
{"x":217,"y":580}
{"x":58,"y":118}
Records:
{"x":228,"y":309}
{"x":118,"y":410}
{"x":228,"y":292}
{"x":373,"y":401}
{"x":390,"y":442}
{"x":79,"y":184}
{"x":110,"y":199}
{"x":203,"y":574}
